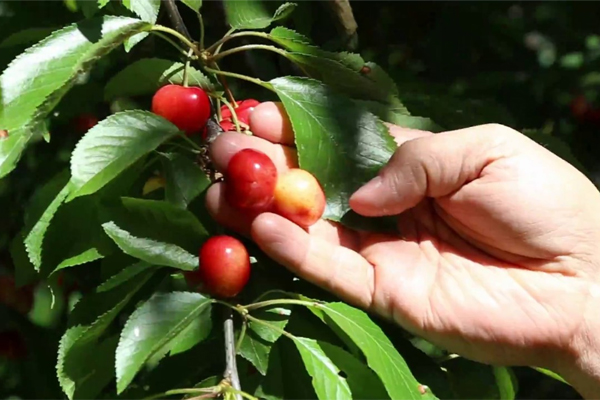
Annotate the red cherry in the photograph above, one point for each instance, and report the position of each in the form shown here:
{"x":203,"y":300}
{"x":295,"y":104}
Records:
{"x":593,"y":116}
{"x":188,"y":108}
{"x":85,"y":122}
{"x":224,"y":267}
{"x":12,"y":345}
{"x":227,"y":125}
{"x":241,"y":106}
{"x":250,"y":181}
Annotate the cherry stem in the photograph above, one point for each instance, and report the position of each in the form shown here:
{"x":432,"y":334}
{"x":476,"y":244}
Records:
{"x":211,"y":390}
{"x":179,"y":36}
{"x":186,"y":69}
{"x":230,"y":36}
{"x":227,"y":34}
{"x":247,"y":47}
{"x":201,"y":22}
{"x":269,"y":303}
{"x":170,"y":41}
{"x":233,"y":114}
{"x":256,"y":81}
{"x":222,"y":79}
{"x":231,"y":372}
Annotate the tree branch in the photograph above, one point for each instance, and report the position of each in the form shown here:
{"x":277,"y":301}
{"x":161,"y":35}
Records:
{"x":347,"y":26}
{"x":231,"y":372}
{"x":175,"y":18}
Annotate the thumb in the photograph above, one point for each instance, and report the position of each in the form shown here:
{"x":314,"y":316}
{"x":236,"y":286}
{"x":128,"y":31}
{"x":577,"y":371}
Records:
{"x":431,"y":166}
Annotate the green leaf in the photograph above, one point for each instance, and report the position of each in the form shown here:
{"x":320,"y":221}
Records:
{"x":326,"y":380}
{"x":184,"y":179}
{"x":398,"y":115}
{"x":506,"y":381}
{"x":551,"y":374}
{"x":147,"y":10}
{"x":195,"y":5}
{"x":12,"y":147}
{"x":339,"y":70}
{"x":158,"y":220}
{"x":256,"y":350}
{"x":145,"y":76}
{"x":113,"y":145}
{"x":253,"y":14}
{"x":352,"y":144}
{"x":152,"y":327}
{"x":33,"y":241}
{"x":151,"y":251}
{"x":381,"y":355}
{"x":272,"y":387}
{"x":102,"y":3}
{"x":363,"y":382}
{"x":76,"y":370}
{"x":197,"y":331}
{"x":123,"y":276}
{"x":35,"y":81}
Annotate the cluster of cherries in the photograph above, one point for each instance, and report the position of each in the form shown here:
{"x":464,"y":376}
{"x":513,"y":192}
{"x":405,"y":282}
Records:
{"x":253,"y":185}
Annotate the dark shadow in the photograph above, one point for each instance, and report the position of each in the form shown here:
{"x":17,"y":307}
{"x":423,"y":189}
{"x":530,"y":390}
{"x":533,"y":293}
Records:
{"x":91,"y":29}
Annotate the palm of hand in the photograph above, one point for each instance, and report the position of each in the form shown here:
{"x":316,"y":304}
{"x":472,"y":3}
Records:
{"x":469,"y":271}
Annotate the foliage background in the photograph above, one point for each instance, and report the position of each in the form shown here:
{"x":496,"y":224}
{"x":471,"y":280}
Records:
{"x":460,"y":63}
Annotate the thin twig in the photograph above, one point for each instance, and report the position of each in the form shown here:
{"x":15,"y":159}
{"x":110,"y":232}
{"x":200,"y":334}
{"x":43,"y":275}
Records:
{"x":226,"y":38}
{"x":266,"y":85}
{"x":249,"y":47}
{"x":175,"y":18}
{"x":231,"y":372}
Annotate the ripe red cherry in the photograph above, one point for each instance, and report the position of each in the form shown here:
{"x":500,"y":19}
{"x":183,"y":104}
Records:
{"x":243,"y":110}
{"x":250,"y":181}
{"x":188,"y":108}
{"x":224,"y":267}
{"x":227,"y":125}
{"x":85,"y":122}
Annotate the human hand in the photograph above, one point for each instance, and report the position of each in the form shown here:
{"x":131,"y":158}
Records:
{"x":497,"y":256}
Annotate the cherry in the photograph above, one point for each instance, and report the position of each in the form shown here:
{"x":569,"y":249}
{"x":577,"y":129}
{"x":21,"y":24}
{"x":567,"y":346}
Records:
{"x":188,"y":108}
{"x":243,"y":110}
{"x":20,"y":299}
{"x":227,"y":125}
{"x":224,"y":267}
{"x":250,"y":180}
{"x":12,"y":345}
{"x":85,"y":122}
{"x":299,"y":197}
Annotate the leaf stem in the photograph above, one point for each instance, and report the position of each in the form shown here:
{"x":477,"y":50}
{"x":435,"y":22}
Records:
{"x":231,"y":372}
{"x":230,"y":36}
{"x":256,"y":81}
{"x":179,"y":36}
{"x":247,"y":47}
{"x":186,"y":69}
{"x":269,"y":303}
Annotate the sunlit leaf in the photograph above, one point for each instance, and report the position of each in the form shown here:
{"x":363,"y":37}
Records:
{"x":113,"y":145}
{"x":154,"y":326}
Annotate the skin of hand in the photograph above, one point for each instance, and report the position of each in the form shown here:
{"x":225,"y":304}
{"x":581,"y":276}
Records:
{"x":498,"y":255}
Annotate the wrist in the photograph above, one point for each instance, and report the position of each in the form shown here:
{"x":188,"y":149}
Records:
{"x":580,"y":362}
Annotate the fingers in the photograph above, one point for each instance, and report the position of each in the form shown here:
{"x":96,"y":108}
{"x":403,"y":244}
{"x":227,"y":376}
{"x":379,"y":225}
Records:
{"x":270,"y":121}
{"x":333,"y":267}
{"x":229,"y":143}
{"x":430,"y":166}
{"x":402,"y":135}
